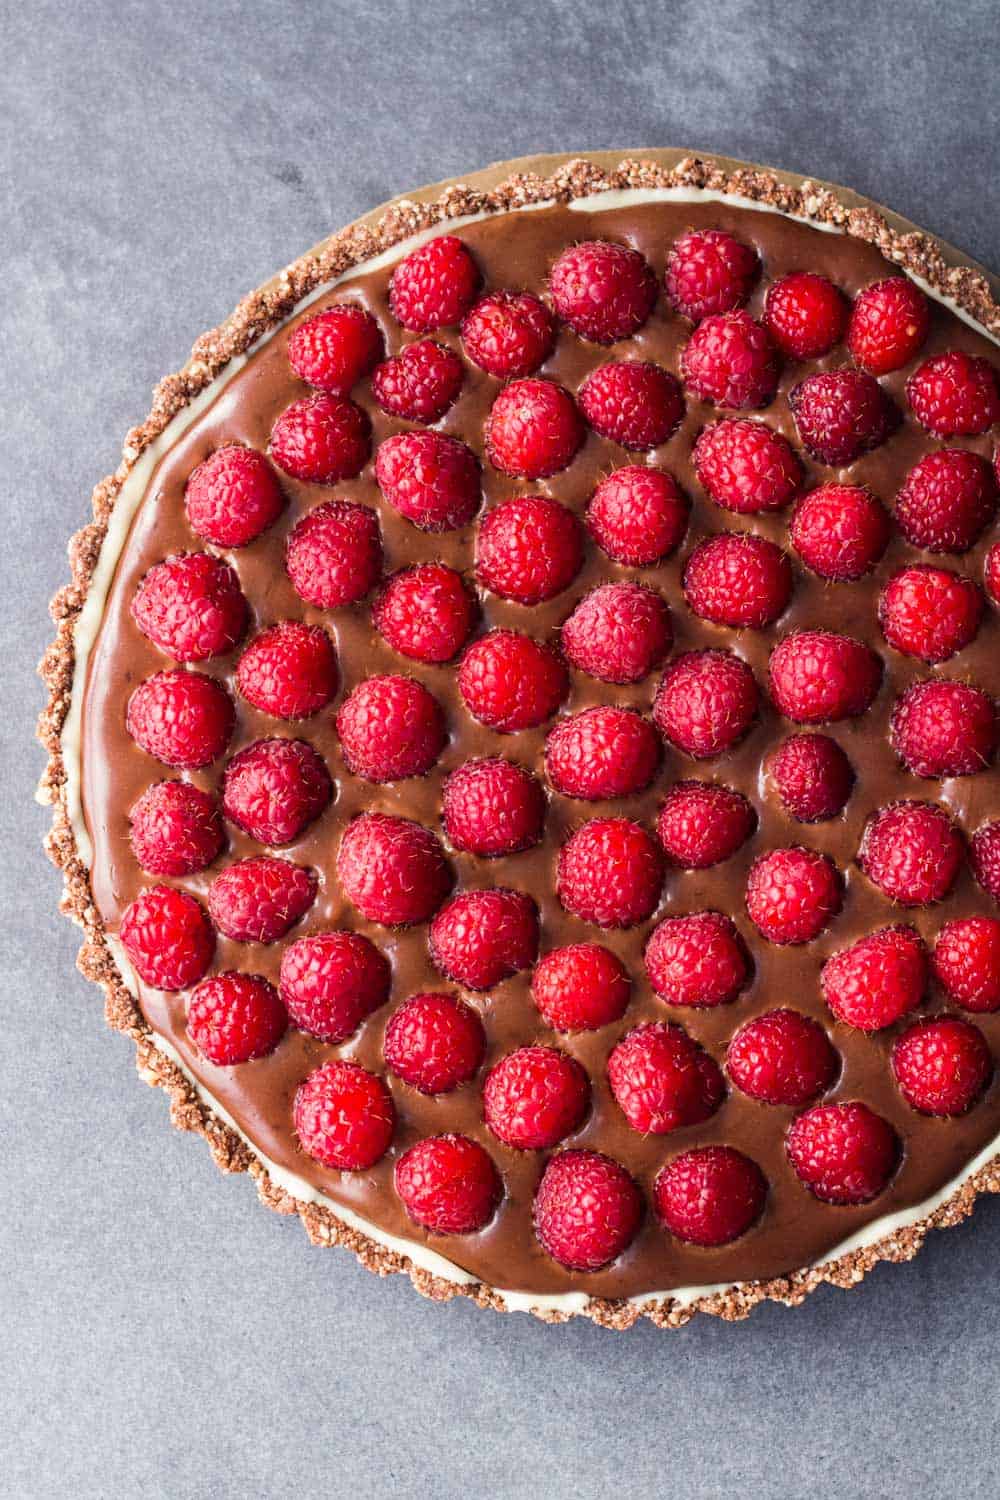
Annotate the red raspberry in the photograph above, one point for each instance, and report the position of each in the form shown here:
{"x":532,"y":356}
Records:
{"x":840,"y":531}
{"x":817,"y":677}
{"x":533,"y":429}
{"x":943,"y":728}
{"x":393,"y":870}
{"x":493,"y":807}
{"x":420,"y":382}
{"x":662,"y":1080}
{"x":534,"y":1097}
{"x":610,"y":873}
{"x":510,"y":682}
{"x":322,"y":439}
{"x":181,"y":718}
{"x":991,"y":572}
{"x":947,"y":500}
{"x":335,"y":349}
{"x":425,"y":612}
{"x":638,"y":516}
{"x":984,"y":857}
{"x":431,"y":479}
{"x":434,"y":1043}
{"x":929,"y":612}
{"x":709,"y":272}
{"x":889,"y":322}
{"x":813,"y":777}
{"x":843,"y":1153}
{"x":805,"y":314}
{"x":877,"y":980}
{"x":730,"y":360}
{"x":942,"y":1065}
{"x":587,"y":1210}
{"x":191,"y":606}
{"x":701,"y":824}
{"x":738,"y":580}
{"x":168,"y":938}
{"x":706,"y":702}
{"x":697,"y":960}
{"x":782,"y":1057}
{"x":258,"y":900}
{"x":529,"y":549}
{"x":602,"y":753}
{"x":508,"y":334}
{"x":332,"y":981}
{"x":618,"y":632}
{"x":448,"y":1184}
{"x":841,"y":414}
{"x":176,"y":829}
{"x":955,"y":394}
{"x":274,"y":789}
{"x":390,"y":728}
{"x":912,"y":852}
{"x":483,"y":937}
{"x":232,"y":497}
{"x":746,"y":466}
{"x":966,"y":962}
{"x":344,"y":1116}
{"x":235,"y":1017}
{"x":792,"y":894}
{"x":434,"y":285}
{"x":604,"y":291}
{"x":289,"y":670}
{"x":335,"y":554}
{"x":633,"y":403}
{"x":580,"y":988}
{"x":710,"y":1196}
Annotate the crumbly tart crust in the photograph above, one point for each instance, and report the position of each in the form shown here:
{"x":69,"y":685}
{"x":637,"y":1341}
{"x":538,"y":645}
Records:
{"x":916,"y":252}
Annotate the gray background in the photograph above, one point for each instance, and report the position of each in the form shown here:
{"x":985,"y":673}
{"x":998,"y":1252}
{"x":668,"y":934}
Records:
{"x":163,"y":1335}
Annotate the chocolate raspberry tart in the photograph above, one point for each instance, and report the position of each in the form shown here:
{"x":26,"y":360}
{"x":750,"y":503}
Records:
{"x":522,"y":739}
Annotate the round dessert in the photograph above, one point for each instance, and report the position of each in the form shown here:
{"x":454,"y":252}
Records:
{"x":522,"y":740}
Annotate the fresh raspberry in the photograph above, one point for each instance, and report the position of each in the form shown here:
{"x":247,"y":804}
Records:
{"x":393,"y":870}
{"x":181,"y":718}
{"x":709,"y":272}
{"x":942,"y":1065}
{"x":746,"y":466}
{"x":730,"y":360}
{"x":176,"y":829}
{"x":322,"y":439}
{"x":448,"y":1184}
{"x":434,"y":286}
{"x":332,"y":981}
{"x":274,"y":789}
{"x":604,"y":291}
{"x":966,"y":962}
{"x":492,"y":807}
{"x":335,"y":554}
{"x":662,"y":1080}
{"x":587,"y":1210}
{"x":943,"y":728}
{"x":390,"y":728}
{"x":434,"y":1043}
{"x":782,"y":1057}
{"x":701,"y":824}
{"x":528,"y":549}
{"x":618,"y":632}
{"x":633,"y":403}
{"x":813,"y":777}
{"x":191,"y":606}
{"x":792,"y":894}
{"x":911,"y":851}
{"x":955,"y":394}
{"x":710,"y":1196}
{"x":344,"y":1116}
{"x":610,"y":873}
{"x":483,"y":937}
{"x":508,"y":334}
{"x":841,"y":414}
{"x":805,"y":314}
{"x":235,"y":1017}
{"x":889,"y":322}
{"x":840,"y":531}
{"x":258,"y":900}
{"x":533,"y":429}
{"x":336,"y":348}
{"x":289,"y":670}
{"x":843,"y":1153}
{"x":877,"y":980}
{"x":420,"y":382}
{"x":168,"y":938}
{"x":602,"y":753}
{"x":580,"y":988}
{"x":638,"y":516}
{"x":706,"y":702}
{"x":949,"y":497}
{"x":984,"y":856}
{"x":425,"y":612}
{"x":232,"y":497}
{"x":431,"y":479}
{"x":738,"y":580}
{"x":991,"y":572}
{"x":697,"y":960}
{"x":510,"y":682}
{"x":535,"y":1097}
{"x":817,"y":677}
{"x":930,"y":612}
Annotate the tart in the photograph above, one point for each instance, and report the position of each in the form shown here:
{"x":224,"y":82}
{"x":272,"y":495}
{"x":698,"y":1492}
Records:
{"x":522,"y":733}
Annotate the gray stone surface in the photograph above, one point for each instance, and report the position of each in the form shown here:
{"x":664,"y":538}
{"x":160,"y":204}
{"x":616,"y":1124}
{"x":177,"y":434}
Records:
{"x":163,"y":1335}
